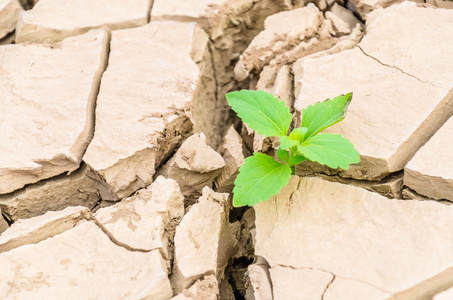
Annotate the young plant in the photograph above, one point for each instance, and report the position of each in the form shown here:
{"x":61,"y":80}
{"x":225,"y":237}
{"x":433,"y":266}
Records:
{"x":261,"y":177}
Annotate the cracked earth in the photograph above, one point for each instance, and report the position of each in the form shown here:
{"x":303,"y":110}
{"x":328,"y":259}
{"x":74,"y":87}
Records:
{"x":119,"y":151}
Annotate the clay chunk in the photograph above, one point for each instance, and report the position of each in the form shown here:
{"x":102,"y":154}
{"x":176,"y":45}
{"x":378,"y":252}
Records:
{"x":53,"y":20}
{"x":183,"y":10}
{"x":204,"y":242}
{"x":194,"y":166}
{"x":232,"y":151}
{"x":142,"y":221}
{"x":144,"y":103}
{"x":206,"y":288}
{"x":260,"y":287}
{"x":35,"y":230}
{"x":385,"y":130}
{"x":81,"y":187}
{"x":48,"y":98}
{"x":287,"y":36}
{"x":381,"y":246}
{"x":9,"y":13}
{"x":429,"y":172}
{"x":82,"y":263}
{"x":305,"y":283}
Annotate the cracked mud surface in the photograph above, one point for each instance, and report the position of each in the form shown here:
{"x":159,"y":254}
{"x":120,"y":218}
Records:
{"x":119,"y":151}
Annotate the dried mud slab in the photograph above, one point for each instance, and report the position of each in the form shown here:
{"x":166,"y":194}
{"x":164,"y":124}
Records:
{"x":80,"y":187}
{"x":9,"y":13}
{"x":35,"y":230}
{"x":305,"y":283}
{"x":390,"y":186}
{"x":141,"y":222}
{"x":430,"y":172}
{"x":194,"y":166}
{"x":233,"y":153}
{"x":422,"y":26}
{"x":384,"y":129}
{"x":440,"y":4}
{"x":287,"y":36}
{"x":51,"y":21}
{"x":206,"y":288}
{"x":207,"y":12}
{"x":446,"y":295}
{"x":376,"y":243}
{"x":48,"y":98}
{"x":184,"y":11}
{"x":231,"y":26}
{"x":82,"y":263}
{"x":346,"y":289}
{"x":260,"y":286}
{"x":144,"y":105}
{"x":204,"y":242}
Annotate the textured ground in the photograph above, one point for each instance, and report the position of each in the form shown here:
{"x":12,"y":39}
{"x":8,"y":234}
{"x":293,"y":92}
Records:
{"x":118,"y":151}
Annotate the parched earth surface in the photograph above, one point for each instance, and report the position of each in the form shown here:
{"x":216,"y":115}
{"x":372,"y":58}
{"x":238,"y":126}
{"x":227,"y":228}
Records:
{"x":118,"y":151}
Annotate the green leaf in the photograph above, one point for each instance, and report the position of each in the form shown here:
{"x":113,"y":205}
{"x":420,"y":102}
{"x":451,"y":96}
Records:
{"x":263,"y":112}
{"x":295,"y":160}
{"x":324,"y":114}
{"x":330,"y":149}
{"x":260,"y":177}
{"x":298,"y":134}
{"x":283,"y":155}
{"x":295,"y":138}
{"x":292,"y":160}
{"x":286,"y":142}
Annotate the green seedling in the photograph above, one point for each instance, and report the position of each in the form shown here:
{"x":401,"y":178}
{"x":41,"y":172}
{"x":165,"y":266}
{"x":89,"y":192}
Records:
{"x":261,"y":176}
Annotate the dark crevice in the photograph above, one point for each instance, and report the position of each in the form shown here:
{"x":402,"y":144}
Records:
{"x":214,"y":71}
{"x":235,"y":274}
{"x":170,"y":228}
{"x":381,"y":187}
{"x":96,"y":206}
{"x":96,"y":87}
{"x":27,"y":4}
{"x":7,"y":218}
{"x":237,"y":213}
{"x":410,"y":194}
{"x":8,"y":39}
{"x":351,"y":7}
{"x":4,"y":198}
{"x":149,"y":10}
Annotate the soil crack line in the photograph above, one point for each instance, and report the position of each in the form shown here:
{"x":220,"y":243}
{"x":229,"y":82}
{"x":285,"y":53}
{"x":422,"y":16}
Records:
{"x":214,"y":71}
{"x":96,"y":87}
{"x":335,"y":276}
{"x":396,"y":68}
{"x":117,"y":242}
{"x":327,"y":286}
